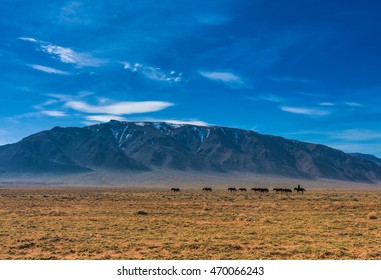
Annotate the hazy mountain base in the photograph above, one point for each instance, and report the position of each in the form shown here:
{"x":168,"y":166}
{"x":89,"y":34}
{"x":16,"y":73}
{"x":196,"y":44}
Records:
{"x":164,"y":179}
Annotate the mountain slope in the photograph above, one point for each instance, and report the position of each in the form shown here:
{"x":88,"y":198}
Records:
{"x":367,"y":157}
{"x":128,"y":146}
{"x":64,"y":150}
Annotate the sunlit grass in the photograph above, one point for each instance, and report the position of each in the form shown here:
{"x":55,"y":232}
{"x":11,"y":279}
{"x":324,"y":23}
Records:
{"x":76,"y":223}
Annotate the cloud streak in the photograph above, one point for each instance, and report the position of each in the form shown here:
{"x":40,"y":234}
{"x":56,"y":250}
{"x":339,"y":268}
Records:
{"x":357,"y":135}
{"x":94,"y":119}
{"x":28,"y":39}
{"x":191,"y":122}
{"x":119,"y":108}
{"x":353,"y":104}
{"x":49,"y":70}
{"x":66,"y":55}
{"x":228,"y":78}
{"x":269,"y":98}
{"x":326,"y":104}
{"x":104,"y":118}
{"x":54,"y":113}
{"x":305,"y":111}
{"x":154,"y":73}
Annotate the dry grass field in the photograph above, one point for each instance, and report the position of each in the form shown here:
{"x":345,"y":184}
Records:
{"x":85,"y":223}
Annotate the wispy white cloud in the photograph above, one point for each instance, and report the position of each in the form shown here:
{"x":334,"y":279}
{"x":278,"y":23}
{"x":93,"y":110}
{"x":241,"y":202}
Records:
{"x":357,"y":135}
{"x":305,"y":111}
{"x":119,"y":108}
{"x":191,"y":122}
{"x":353,"y":135}
{"x":66,"y":55}
{"x":49,"y":70}
{"x":224,"y":77}
{"x":28,"y":39}
{"x":103,"y":111}
{"x":39,"y":114}
{"x":366,"y":148}
{"x":27,"y":115}
{"x":74,"y":13}
{"x":270,"y":98}
{"x":54,"y":113}
{"x":94,"y":119}
{"x":326,"y":104}
{"x":46,"y":103}
{"x":221,"y":76}
{"x":154,"y":73}
{"x":58,"y":97}
{"x":104,"y":118}
{"x":353,"y":104}
{"x":273,"y":98}
{"x":347,"y":103}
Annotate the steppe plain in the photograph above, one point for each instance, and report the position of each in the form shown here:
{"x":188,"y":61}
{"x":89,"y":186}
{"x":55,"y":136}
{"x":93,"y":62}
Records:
{"x":331,"y":220}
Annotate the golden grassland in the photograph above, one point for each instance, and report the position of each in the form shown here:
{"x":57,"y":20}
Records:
{"x":122,"y":223}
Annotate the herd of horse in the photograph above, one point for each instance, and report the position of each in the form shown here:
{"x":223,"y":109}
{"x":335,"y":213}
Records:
{"x":260,"y":190}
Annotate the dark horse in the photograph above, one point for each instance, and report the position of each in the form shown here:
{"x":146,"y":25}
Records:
{"x":282,"y":190}
{"x":243,"y":189}
{"x":175,"y":190}
{"x":207,"y":189}
{"x":232,"y":189}
{"x":260,"y":190}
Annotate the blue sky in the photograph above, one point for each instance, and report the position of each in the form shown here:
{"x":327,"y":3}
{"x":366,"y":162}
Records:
{"x":305,"y":70}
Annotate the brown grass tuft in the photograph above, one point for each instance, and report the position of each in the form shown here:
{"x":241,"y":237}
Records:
{"x":372,"y":216}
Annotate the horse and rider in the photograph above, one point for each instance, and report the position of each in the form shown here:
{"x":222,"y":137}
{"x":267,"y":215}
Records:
{"x":299,"y":189}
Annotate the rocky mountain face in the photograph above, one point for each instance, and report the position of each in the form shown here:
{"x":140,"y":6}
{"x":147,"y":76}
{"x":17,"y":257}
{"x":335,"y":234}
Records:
{"x":143,"y":146}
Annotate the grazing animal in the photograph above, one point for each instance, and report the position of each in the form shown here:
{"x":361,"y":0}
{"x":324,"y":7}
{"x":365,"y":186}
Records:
{"x":299,"y":189}
{"x":243,"y":189}
{"x":175,"y":190}
{"x":207,"y":189}
{"x":232,"y":189}
{"x":282,"y":190}
{"x":260,"y":189}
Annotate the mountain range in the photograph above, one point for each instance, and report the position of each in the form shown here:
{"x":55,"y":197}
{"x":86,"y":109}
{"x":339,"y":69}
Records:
{"x":124,"y":147}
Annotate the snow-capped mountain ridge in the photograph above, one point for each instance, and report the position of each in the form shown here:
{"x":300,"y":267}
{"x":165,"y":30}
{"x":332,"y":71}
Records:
{"x":143,"y":146}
